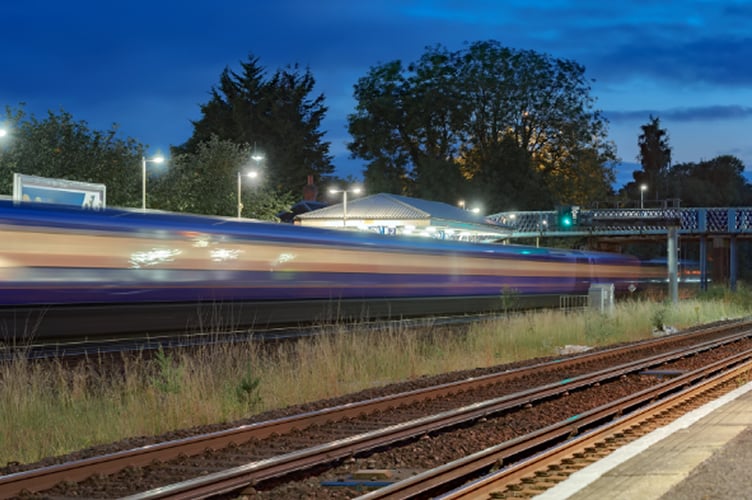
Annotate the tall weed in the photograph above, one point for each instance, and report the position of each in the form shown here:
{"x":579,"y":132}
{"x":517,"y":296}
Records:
{"x":48,"y":409}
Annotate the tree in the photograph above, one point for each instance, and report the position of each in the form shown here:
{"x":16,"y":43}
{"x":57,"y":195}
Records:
{"x":543,"y":105}
{"x":719,"y":182}
{"x":655,"y":158}
{"x":276,"y":115}
{"x":62,"y":148}
{"x":442,"y":125}
{"x":513,"y":184}
{"x":379,"y":130}
{"x":205,"y":182}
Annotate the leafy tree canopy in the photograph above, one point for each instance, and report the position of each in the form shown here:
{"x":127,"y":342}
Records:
{"x":209,"y":180}
{"x":516,"y":128}
{"x":203,"y":182}
{"x":719,"y":182}
{"x":60,"y":147}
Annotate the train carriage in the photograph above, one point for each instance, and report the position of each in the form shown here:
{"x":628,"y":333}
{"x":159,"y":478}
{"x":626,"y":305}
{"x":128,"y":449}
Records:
{"x":67,"y":271}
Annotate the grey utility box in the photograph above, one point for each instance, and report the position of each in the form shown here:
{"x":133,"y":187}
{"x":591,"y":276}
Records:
{"x":601,"y":297}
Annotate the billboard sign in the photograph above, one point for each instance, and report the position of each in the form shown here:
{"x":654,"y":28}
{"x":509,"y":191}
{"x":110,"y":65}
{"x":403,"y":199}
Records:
{"x":30,"y":188}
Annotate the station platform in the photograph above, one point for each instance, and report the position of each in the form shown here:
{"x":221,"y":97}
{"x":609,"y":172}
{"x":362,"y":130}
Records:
{"x":706,"y":454}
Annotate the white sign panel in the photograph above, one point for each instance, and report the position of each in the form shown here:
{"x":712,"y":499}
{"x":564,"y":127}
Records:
{"x":30,"y":188}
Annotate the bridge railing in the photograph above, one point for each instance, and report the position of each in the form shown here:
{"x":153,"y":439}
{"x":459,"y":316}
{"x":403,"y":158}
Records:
{"x":625,"y":221}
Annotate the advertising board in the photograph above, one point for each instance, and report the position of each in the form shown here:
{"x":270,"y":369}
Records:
{"x":30,"y":188}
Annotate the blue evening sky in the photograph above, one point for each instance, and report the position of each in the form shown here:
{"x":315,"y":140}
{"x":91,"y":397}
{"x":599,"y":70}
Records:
{"x":147,"y":66}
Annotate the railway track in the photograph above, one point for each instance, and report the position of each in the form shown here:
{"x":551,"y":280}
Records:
{"x":600,"y":432}
{"x":272,"y":455}
{"x":63,"y":346}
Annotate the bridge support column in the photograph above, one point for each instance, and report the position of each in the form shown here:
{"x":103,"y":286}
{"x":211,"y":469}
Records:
{"x":732,"y":263}
{"x":720,"y":258}
{"x":703,"y":263}
{"x":673,"y":267}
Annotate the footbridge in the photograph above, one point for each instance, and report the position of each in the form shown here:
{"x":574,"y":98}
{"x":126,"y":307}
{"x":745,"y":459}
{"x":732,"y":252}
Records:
{"x":721,"y":227}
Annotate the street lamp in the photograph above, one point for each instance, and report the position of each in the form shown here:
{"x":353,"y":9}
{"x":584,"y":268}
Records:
{"x":257,"y":157}
{"x":463,"y":205}
{"x":643,"y":188}
{"x":354,"y":190}
{"x":144,"y":161}
{"x":252,"y":174}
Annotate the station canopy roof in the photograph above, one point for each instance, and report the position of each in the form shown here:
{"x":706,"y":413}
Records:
{"x":394,"y":214}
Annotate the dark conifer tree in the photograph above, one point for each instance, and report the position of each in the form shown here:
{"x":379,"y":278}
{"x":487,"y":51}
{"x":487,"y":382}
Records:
{"x":655,"y":158}
{"x":275,"y":116}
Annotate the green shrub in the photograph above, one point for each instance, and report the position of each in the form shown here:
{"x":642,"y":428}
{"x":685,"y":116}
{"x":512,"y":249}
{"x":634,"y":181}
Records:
{"x":169,"y":376}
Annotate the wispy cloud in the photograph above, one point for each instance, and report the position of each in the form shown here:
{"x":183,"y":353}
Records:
{"x":718,"y":60}
{"x":693,"y":114}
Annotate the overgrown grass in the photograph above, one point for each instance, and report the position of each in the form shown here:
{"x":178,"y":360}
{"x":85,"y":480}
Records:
{"x":47,"y":410}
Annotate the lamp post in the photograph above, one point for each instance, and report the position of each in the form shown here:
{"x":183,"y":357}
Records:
{"x":252,"y":174}
{"x":354,"y":190}
{"x":643,"y":188}
{"x":542,"y":227}
{"x":257,"y":157}
{"x":144,"y":161}
{"x":3,"y":133}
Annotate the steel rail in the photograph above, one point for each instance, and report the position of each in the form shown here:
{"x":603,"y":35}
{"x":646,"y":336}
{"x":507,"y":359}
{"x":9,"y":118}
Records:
{"x":557,"y":439}
{"x":47,"y":477}
{"x":239,"y":477}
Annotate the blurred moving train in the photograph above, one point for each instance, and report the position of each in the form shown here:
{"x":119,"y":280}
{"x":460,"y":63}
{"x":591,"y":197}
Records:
{"x":72,"y":272}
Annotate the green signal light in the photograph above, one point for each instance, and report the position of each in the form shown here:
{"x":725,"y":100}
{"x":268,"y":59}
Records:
{"x":565,"y":217}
